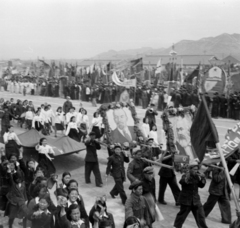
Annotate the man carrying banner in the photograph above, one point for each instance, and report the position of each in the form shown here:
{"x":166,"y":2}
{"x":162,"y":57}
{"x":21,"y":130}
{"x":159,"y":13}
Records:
{"x":219,"y":192}
{"x":189,"y":198}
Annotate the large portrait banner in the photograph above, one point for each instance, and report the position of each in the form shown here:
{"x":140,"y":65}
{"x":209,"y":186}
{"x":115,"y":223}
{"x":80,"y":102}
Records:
{"x":121,"y":123}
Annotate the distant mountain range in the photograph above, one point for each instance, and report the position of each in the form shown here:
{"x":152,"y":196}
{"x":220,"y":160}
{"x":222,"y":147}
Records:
{"x":220,"y":46}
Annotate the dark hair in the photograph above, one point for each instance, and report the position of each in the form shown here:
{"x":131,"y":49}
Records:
{"x":59,"y":108}
{"x":83,"y":109}
{"x":70,"y":209}
{"x":37,"y":189}
{"x":155,"y":126}
{"x":65,"y":174}
{"x":47,"y":198}
{"x":71,"y":181}
{"x":41,"y":140}
{"x":71,"y":119}
{"x":9,"y":126}
{"x":94,"y":114}
{"x":130,"y":220}
{"x":13,"y":155}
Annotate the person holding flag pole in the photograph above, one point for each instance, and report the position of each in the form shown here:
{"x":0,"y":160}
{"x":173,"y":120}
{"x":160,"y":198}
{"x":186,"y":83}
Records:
{"x":202,"y":130}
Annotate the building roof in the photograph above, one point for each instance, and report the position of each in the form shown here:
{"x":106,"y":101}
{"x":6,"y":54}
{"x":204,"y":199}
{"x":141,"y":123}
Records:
{"x":230,"y":59}
{"x":180,"y":59}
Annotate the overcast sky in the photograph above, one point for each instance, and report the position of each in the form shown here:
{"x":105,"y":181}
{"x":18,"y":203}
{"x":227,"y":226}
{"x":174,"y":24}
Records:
{"x":84,"y":28}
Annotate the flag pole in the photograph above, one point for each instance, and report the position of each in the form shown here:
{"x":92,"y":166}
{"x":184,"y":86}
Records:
{"x":222,"y":157}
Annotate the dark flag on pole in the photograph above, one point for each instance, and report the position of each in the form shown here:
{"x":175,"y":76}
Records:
{"x":136,"y":65}
{"x":202,"y":130}
{"x":194,"y":74}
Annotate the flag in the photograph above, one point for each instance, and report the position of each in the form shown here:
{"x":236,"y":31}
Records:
{"x":202,"y":130}
{"x":136,"y":65}
{"x":45,"y":65}
{"x":191,"y":76}
{"x":159,"y":67}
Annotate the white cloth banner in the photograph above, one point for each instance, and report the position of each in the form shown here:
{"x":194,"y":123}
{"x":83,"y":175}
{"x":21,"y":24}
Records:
{"x":126,"y":83}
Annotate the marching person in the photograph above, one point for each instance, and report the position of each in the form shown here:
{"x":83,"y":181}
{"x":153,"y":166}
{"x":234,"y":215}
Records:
{"x":148,"y":182}
{"x":67,"y":105}
{"x":12,"y":142}
{"x":72,"y":129}
{"x":44,"y":159}
{"x":151,"y":115}
{"x":136,"y":166}
{"x":189,"y":198}
{"x":136,"y":205}
{"x":115,"y":166}
{"x":168,"y":177}
{"x":59,"y":121}
{"x":38,"y":122}
{"x":91,"y":160}
{"x":219,"y":192}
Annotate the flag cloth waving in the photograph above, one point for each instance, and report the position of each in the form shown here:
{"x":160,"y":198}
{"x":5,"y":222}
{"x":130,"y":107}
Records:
{"x":202,"y":130}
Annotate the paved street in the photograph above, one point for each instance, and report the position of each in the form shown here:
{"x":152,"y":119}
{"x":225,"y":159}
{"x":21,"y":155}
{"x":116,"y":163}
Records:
{"x":75,"y":164}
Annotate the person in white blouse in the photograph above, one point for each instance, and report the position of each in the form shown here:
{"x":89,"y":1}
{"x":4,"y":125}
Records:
{"x":38,"y":121}
{"x":11,"y":141}
{"x":44,"y":157}
{"x":72,"y":130}
{"x":29,"y":118}
{"x":96,"y":125}
{"x":145,"y":127}
{"x":70,"y":114}
{"x":59,"y":120}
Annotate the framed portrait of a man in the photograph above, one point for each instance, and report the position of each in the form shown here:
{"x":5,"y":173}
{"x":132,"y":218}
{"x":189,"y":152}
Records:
{"x":121,"y":123}
{"x":181,"y":125}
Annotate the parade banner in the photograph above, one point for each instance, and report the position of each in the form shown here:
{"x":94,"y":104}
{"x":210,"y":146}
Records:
{"x":214,"y":80}
{"x":126,"y":83}
{"x":181,"y":125}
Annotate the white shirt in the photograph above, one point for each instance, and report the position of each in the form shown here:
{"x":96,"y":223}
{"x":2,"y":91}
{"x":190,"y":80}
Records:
{"x":154,"y":135}
{"x":11,"y":136}
{"x":165,"y":98}
{"x":71,"y":125}
{"x":69,"y":115}
{"x":88,"y":91}
{"x":29,"y":115}
{"x":38,"y":119}
{"x":45,"y":150}
{"x":59,"y":117}
{"x":146,"y":129}
{"x":97,"y":122}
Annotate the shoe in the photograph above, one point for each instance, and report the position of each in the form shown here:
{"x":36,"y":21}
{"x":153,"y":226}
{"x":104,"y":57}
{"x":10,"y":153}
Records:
{"x":162,"y":202}
{"x":112,"y":196}
{"x":100,"y":185}
{"x":88,"y":182}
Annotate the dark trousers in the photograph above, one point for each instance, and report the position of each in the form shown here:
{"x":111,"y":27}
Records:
{"x":118,"y":189}
{"x":198,"y":214}
{"x":93,"y":166}
{"x":224,"y":207}
{"x":172,"y":182}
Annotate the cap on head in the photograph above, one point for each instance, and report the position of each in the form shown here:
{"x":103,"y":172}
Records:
{"x":135,"y":185}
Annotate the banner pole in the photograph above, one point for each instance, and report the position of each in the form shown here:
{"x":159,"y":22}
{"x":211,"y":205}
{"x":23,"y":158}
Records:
{"x":228,"y":177}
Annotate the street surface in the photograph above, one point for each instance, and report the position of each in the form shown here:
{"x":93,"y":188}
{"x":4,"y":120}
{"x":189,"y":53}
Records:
{"x":75,"y":164}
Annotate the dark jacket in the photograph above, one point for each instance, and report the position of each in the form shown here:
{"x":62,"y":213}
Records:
{"x":218,"y":186}
{"x":45,"y":220}
{"x":135,"y":169}
{"x":165,"y":172}
{"x":149,"y":187}
{"x":92,"y":147}
{"x":115,"y":166}
{"x":189,"y":194}
{"x":66,"y":106}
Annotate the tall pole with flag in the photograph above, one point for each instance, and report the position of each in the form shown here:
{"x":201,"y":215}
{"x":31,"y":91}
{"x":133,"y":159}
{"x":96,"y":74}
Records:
{"x":202,"y":130}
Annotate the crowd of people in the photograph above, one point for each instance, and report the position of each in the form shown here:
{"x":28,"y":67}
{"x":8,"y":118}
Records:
{"x":25,"y":191}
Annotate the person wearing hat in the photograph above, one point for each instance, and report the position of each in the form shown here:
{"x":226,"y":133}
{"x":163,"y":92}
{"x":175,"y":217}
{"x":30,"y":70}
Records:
{"x":147,"y":149}
{"x":151,"y":115}
{"x":189,"y":198}
{"x":91,"y":160}
{"x":136,"y":205}
{"x":115,"y":167}
{"x":148,"y":182}
{"x":136,"y":166}
{"x":67,"y":105}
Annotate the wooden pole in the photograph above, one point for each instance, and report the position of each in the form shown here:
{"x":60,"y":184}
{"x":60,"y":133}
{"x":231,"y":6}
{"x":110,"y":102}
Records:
{"x":228,"y":177}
